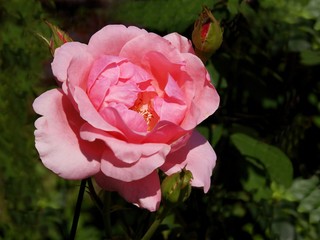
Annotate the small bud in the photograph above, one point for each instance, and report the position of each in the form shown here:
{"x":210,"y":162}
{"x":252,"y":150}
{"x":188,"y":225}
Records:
{"x":207,"y":35}
{"x":176,"y":188}
{"x":57,"y":39}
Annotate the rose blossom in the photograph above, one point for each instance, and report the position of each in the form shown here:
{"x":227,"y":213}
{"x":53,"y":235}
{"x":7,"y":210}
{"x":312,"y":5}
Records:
{"x":127,"y":106}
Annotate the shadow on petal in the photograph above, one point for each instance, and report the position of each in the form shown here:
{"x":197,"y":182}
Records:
{"x":144,"y":193}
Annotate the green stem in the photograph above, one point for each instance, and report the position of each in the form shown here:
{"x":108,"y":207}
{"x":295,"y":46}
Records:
{"x":162,"y":213}
{"x":95,"y":198}
{"x":106,"y":214}
{"x":77,"y":210}
{"x":152,"y":229}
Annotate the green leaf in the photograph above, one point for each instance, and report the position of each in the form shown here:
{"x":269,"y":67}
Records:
{"x":284,"y":230}
{"x":316,"y":120}
{"x":233,"y":6}
{"x":309,"y":57}
{"x":204,"y":130}
{"x":217,"y":134}
{"x":311,"y":202}
{"x":302,"y":188}
{"x":315,"y":215}
{"x":256,"y":183}
{"x":298,"y":45}
{"x":275,"y":162}
{"x":317,"y":25}
{"x":160,"y":15}
{"x":312,"y":10}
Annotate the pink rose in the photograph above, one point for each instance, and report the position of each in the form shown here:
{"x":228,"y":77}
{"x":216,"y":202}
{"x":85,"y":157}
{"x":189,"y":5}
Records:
{"x":128,"y":105}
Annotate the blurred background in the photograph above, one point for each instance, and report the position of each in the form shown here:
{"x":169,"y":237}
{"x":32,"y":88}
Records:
{"x":265,"y":133}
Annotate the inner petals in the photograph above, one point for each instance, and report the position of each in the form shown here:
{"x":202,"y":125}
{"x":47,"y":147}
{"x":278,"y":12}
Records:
{"x":169,"y":111}
{"x":104,"y":73}
{"x":120,"y":116}
{"x":125,"y":94}
{"x":173,"y":91}
{"x":161,"y":68}
{"x":100,"y":66}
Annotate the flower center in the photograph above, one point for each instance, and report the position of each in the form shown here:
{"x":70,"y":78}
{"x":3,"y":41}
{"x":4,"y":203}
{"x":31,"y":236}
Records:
{"x":144,"y":111}
{"x":143,"y":106}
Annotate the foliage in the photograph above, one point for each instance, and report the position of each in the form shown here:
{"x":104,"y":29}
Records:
{"x":265,"y":133}
{"x":160,"y":15}
{"x":18,"y":163}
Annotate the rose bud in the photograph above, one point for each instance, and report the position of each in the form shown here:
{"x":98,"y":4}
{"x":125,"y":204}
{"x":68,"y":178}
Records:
{"x":176,"y":188}
{"x":207,"y":35}
{"x":57,"y":39}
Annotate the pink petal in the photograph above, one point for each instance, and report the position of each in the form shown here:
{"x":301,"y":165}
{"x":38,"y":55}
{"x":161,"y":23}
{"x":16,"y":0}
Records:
{"x":102,"y":64}
{"x":79,"y":70}
{"x":64,"y":55}
{"x":110,"y":39}
{"x":112,"y":122}
{"x":133,"y":72}
{"x":173,"y":91}
{"x":197,"y":156}
{"x":165,"y":131}
{"x":180,"y":42}
{"x":205,"y":99}
{"x":124,"y":151}
{"x":144,"y":193}
{"x":129,"y":118}
{"x":135,"y":131}
{"x":102,"y":85}
{"x":57,"y":138}
{"x":169,"y":111}
{"x":172,"y":107}
{"x":125,"y":94}
{"x":162,"y":68}
{"x":136,"y":49}
{"x":104,"y":73}
{"x":90,"y":114}
{"x":127,"y":161}
{"x":119,"y":169}
{"x":181,"y":142}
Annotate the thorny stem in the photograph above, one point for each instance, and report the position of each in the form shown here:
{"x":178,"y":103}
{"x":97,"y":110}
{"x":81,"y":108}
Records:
{"x":77,"y":210}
